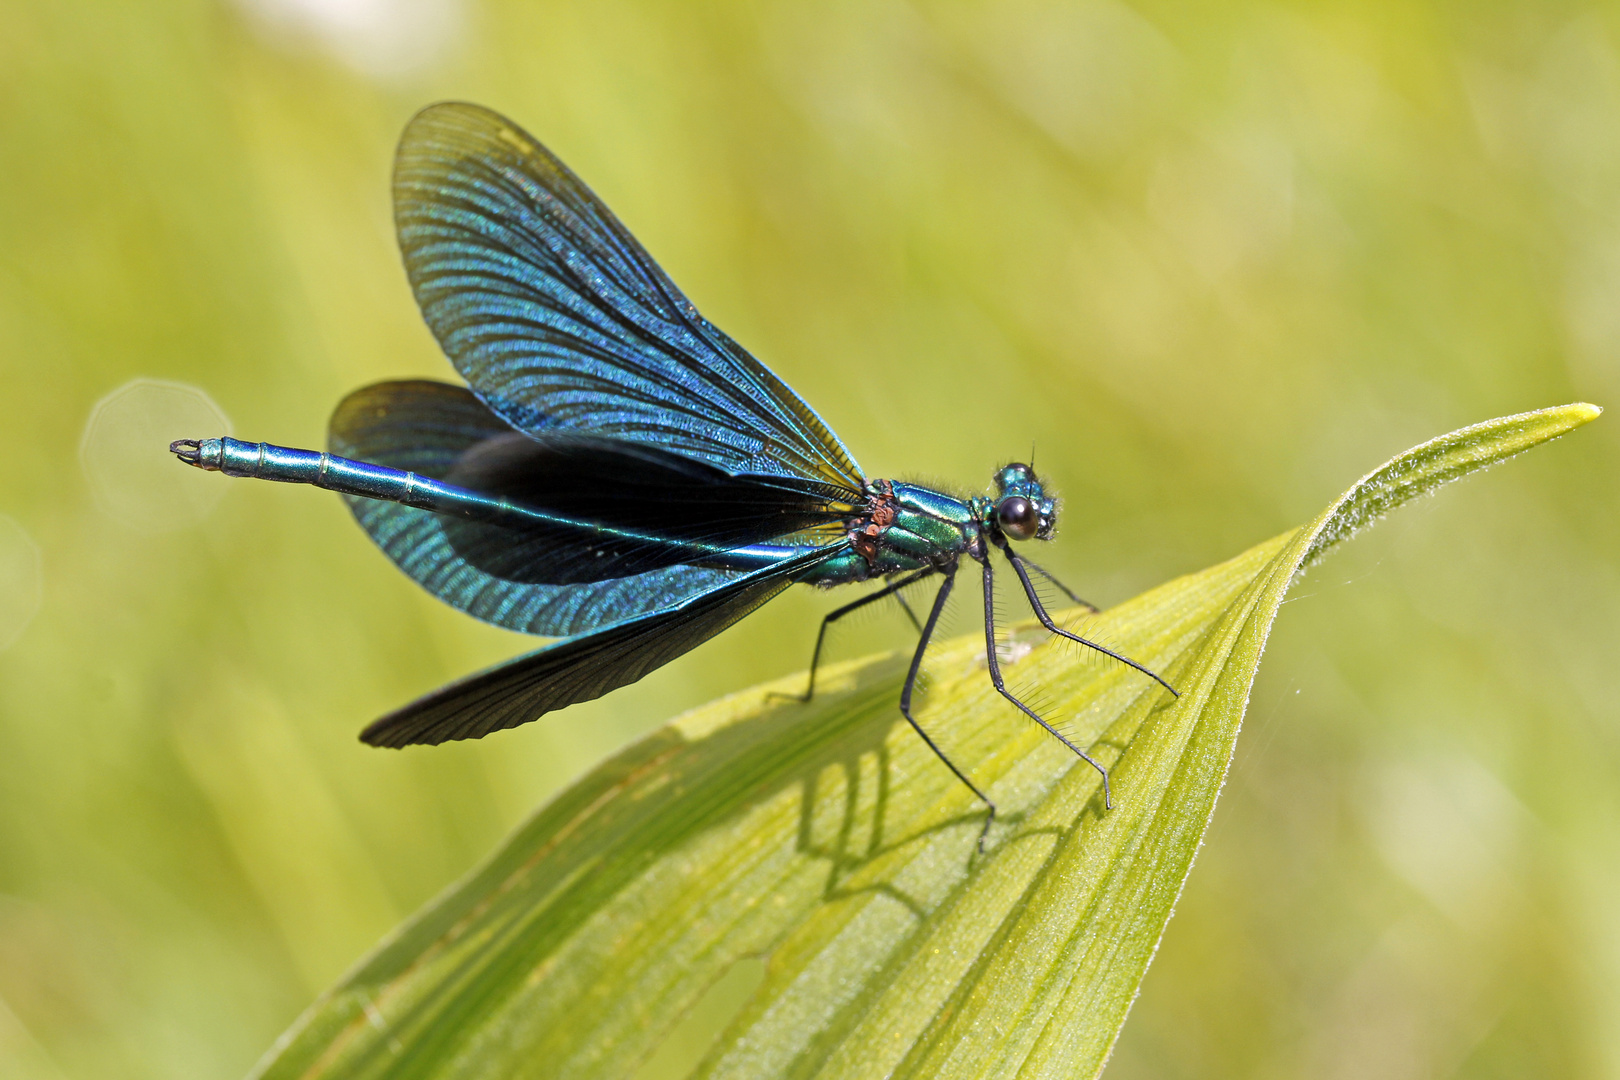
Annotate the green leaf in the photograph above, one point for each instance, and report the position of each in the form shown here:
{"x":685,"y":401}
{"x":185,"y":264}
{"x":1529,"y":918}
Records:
{"x":622,"y":928}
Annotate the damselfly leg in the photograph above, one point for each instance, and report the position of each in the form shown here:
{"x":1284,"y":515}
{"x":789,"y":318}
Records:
{"x":1046,"y":621}
{"x":1070,"y":593}
{"x":891,"y":589}
{"x":994,"y":664}
{"x":940,"y":598}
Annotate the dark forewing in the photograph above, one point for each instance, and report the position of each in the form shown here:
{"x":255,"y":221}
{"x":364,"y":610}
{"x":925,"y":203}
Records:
{"x":623,"y":508}
{"x":559,"y":319}
{"x":580,"y":668}
{"x":427,"y":427}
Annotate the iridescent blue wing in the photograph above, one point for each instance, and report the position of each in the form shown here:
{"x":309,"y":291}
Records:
{"x":610,"y":508}
{"x":595,"y":508}
{"x":558,"y":319}
{"x":581,"y":668}
{"x":427,"y":428}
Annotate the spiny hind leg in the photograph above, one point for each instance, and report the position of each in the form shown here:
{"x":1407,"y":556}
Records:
{"x":891,"y":589}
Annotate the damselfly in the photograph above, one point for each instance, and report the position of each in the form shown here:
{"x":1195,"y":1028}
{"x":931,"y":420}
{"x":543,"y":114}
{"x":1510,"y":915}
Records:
{"x":618,"y":473}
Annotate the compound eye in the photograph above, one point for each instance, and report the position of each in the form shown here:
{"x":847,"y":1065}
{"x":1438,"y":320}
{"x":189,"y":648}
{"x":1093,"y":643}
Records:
{"x":1018,"y":517}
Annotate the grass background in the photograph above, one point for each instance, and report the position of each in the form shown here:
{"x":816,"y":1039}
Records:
{"x":1212,"y":261}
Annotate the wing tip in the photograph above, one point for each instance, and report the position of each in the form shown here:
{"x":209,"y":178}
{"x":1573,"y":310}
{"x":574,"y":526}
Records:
{"x":385,"y":735}
{"x":455,"y":106}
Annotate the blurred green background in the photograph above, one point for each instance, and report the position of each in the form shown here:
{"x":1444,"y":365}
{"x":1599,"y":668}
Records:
{"x":1213,"y":261}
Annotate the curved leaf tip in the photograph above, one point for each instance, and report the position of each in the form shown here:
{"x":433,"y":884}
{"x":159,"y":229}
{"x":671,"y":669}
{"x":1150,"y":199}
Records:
{"x":1428,"y":467}
{"x":828,"y":840}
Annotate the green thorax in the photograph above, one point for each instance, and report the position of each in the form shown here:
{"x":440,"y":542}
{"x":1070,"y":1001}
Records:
{"x":904,"y":527}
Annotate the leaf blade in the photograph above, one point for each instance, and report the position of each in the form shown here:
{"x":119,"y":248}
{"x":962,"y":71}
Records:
{"x":826,"y":837}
